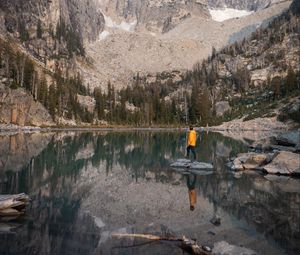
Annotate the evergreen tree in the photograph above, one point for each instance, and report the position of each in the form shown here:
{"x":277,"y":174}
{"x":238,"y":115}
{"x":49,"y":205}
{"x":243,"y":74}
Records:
{"x":39,"y":31}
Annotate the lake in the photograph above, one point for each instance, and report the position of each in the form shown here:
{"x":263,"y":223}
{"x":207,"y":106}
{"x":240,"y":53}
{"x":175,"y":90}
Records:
{"x":84,"y":186}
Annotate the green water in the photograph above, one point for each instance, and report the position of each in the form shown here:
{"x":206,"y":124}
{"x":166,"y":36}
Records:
{"x":86,"y":185}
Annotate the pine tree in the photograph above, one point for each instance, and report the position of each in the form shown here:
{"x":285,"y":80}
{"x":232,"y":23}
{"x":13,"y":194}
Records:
{"x":39,"y":31}
{"x":52,"y":100}
{"x":291,"y":80}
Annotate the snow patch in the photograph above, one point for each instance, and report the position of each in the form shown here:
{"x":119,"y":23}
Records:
{"x":227,"y":13}
{"x":123,"y":25}
{"x":103,"y":35}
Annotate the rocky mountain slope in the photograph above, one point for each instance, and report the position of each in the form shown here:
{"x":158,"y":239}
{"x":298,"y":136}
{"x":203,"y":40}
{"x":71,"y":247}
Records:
{"x":120,"y":54}
{"x":51,"y":31}
{"x":250,"y":5}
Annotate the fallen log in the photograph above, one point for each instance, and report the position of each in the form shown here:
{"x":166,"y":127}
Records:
{"x":185,"y":243}
{"x":13,"y":205}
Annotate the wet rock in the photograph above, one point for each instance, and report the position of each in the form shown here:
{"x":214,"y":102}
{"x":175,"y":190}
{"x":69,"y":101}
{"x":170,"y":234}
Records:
{"x":224,"y":248}
{"x":206,"y":248}
{"x":250,"y":160}
{"x":237,"y":165}
{"x":216,"y":221}
{"x":186,"y":163}
{"x":284,"y":163}
{"x":211,"y":233}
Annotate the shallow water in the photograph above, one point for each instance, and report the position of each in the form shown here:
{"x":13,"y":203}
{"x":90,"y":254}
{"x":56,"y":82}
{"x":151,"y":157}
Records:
{"x":87,"y":185}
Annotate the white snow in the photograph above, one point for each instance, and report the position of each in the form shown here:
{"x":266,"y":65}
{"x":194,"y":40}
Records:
{"x":123,"y":25}
{"x":103,"y":35}
{"x":227,"y":13}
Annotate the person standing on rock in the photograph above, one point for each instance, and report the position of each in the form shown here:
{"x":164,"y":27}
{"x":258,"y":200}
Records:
{"x":191,"y":143}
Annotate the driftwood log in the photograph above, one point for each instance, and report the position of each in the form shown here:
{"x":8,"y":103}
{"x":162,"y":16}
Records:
{"x":185,"y":243}
{"x":13,"y":205}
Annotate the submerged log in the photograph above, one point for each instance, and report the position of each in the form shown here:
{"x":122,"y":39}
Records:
{"x":13,"y":205}
{"x":185,"y":243}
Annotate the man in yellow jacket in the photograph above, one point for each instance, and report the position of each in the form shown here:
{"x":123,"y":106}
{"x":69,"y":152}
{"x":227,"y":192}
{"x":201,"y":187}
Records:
{"x":191,"y":143}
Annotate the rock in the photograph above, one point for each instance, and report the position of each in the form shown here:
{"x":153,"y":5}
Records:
{"x":284,"y":163}
{"x":283,"y":148}
{"x":222,"y":107}
{"x":224,"y":248}
{"x":186,"y":163}
{"x":18,"y":107}
{"x":289,"y":139}
{"x":216,"y":221}
{"x":250,"y":160}
{"x":237,"y":165}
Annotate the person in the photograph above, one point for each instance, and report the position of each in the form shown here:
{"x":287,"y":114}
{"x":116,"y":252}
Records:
{"x":191,"y":143}
{"x":192,"y":191}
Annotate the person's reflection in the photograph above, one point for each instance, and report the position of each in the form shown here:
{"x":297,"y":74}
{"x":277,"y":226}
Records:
{"x":191,"y":183}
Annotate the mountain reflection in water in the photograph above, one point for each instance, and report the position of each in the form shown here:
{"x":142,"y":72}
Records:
{"x":73,"y":179}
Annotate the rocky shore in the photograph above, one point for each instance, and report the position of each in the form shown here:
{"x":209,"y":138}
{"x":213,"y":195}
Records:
{"x":273,"y":155}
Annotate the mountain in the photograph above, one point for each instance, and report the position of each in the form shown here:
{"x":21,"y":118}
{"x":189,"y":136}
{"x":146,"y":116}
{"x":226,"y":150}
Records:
{"x":78,"y":57}
{"x":140,"y":44}
{"x":51,"y":30}
{"x":250,"y":5}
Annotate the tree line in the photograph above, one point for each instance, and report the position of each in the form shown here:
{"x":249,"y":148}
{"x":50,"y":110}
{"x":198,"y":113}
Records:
{"x":57,"y":93}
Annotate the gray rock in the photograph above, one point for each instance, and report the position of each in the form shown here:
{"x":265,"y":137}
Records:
{"x":289,"y":139}
{"x":284,"y":163}
{"x":216,"y":221}
{"x":222,"y":107}
{"x":224,"y":248}
{"x":250,"y":160}
{"x":186,"y":163}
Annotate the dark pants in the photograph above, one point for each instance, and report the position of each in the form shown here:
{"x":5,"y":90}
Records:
{"x":190,"y":148}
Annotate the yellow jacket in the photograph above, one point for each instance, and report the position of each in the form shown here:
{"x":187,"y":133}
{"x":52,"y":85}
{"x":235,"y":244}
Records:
{"x":192,"y":138}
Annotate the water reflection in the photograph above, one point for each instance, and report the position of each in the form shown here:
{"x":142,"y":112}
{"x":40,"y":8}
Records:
{"x":85,"y":185}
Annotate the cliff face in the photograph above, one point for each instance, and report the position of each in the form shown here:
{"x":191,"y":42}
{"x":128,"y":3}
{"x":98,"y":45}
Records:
{"x":154,"y":15}
{"x":50,"y":30}
{"x":17,"y":107}
{"x":83,"y":16}
{"x":250,"y":5}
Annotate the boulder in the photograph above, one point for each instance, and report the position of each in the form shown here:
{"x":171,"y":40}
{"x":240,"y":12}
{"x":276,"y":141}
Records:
{"x":237,"y":165}
{"x":195,"y":165}
{"x":289,"y":139}
{"x":222,"y":107}
{"x":251,"y":160}
{"x":222,"y":248}
{"x":284,"y":163}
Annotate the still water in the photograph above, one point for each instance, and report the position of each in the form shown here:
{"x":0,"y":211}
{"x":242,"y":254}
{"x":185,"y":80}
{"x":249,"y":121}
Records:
{"x":85,"y":186}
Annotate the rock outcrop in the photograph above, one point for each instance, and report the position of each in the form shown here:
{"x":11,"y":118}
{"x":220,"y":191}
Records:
{"x":277,"y":154}
{"x":19,"y":108}
{"x":284,"y":163}
{"x":251,"y":5}
{"x":154,"y":15}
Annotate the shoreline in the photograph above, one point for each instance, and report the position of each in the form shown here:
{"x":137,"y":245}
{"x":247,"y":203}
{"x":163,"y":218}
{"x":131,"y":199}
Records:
{"x":237,"y":125}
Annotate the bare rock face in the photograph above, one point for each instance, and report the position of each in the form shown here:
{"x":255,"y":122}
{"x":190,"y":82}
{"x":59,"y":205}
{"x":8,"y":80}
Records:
{"x":154,"y":15}
{"x":251,"y":5}
{"x":17,"y":107}
{"x":82,"y":15}
{"x":284,"y":163}
{"x":222,"y":107}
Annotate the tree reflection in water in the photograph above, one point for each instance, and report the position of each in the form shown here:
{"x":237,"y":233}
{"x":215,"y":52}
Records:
{"x":54,"y":225}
